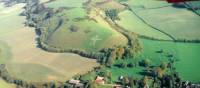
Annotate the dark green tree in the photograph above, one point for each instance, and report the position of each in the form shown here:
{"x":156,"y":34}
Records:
{"x":112,"y":14}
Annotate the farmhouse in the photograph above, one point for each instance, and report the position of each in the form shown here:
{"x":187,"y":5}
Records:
{"x":117,"y":86}
{"x":99,"y":80}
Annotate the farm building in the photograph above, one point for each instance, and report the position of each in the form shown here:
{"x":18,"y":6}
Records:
{"x":99,"y":80}
{"x":76,"y":83}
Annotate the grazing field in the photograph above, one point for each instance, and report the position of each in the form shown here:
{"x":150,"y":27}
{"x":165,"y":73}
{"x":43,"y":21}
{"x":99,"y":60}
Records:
{"x":130,"y":22}
{"x":29,"y":63}
{"x":66,"y":3}
{"x":87,"y":32}
{"x":186,"y":54}
{"x":130,"y":72}
{"x":179,"y":23}
{"x":142,"y":4}
{"x":3,"y":84}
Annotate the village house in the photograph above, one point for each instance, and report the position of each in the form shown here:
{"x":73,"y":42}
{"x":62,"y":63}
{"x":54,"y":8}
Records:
{"x":100,"y":80}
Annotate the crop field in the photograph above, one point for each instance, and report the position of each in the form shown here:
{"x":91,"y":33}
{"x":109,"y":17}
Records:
{"x":4,"y":52}
{"x":23,"y":58}
{"x":165,"y":17}
{"x":3,"y":84}
{"x":186,"y":54}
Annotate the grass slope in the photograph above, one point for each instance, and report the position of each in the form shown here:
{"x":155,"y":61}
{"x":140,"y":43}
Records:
{"x":3,"y":84}
{"x":26,"y":59}
{"x":87,"y":30}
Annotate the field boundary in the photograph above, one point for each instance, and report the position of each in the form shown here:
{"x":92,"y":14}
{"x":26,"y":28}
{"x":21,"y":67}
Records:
{"x":152,"y":38}
{"x":189,"y":7}
{"x":130,"y":9}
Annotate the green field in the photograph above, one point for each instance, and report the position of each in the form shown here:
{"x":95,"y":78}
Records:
{"x":145,"y":3}
{"x":173,"y":20}
{"x":130,"y":22}
{"x":164,"y":17}
{"x":186,"y":54}
{"x":92,"y":33}
{"x":81,"y":29}
{"x":130,"y":72}
{"x":66,"y":3}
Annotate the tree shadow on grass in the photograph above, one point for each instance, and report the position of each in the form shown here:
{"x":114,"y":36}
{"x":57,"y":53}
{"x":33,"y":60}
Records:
{"x":179,"y":5}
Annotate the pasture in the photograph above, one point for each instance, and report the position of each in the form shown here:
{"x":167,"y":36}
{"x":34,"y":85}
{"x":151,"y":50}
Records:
{"x":178,"y":22}
{"x":66,"y":3}
{"x":186,"y":54}
{"x":91,"y":33}
{"x":26,"y":59}
{"x":131,"y":23}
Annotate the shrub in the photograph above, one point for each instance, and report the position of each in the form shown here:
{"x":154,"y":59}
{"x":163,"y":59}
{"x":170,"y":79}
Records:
{"x":130,"y":65}
{"x":145,"y":63}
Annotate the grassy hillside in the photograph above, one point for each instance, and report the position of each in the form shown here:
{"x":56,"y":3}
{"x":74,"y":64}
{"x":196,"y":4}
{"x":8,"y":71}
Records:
{"x":78,"y":28}
{"x":3,"y":84}
{"x":23,"y":58}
